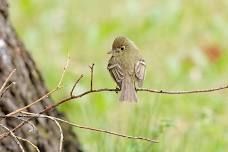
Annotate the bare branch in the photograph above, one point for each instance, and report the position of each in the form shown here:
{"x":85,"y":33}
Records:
{"x":3,"y":135}
{"x":47,"y":94}
{"x":34,"y":102}
{"x":6,"y":88}
{"x":20,"y":119}
{"x":6,"y":81}
{"x":90,"y":128}
{"x":53,"y":119}
{"x":26,"y":140}
{"x":64,"y":70}
{"x":29,"y":122}
{"x":92,"y":90}
{"x":33,"y":115}
{"x":141,"y":90}
{"x":91,"y":76}
{"x":13,"y":135}
{"x":75,"y":84}
{"x":106,"y":131}
{"x":185,"y":92}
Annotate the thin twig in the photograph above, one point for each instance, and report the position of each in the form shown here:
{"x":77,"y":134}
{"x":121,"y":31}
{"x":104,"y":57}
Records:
{"x":60,"y":131}
{"x":141,"y":90}
{"x":92,"y":129}
{"x":185,"y":91}
{"x":34,"y":102}
{"x":110,"y":90}
{"x":13,"y":135}
{"x":26,"y":140}
{"x":75,"y":84}
{"x":64,"y":70}
{"x":47,"y":94}
{"x":6,"y":81}
{"x":20,"y":119}
{"x":26,"y":121}
{"x":6,"y":88}
{"x":57,"y":123}
{"x":91,"y":76}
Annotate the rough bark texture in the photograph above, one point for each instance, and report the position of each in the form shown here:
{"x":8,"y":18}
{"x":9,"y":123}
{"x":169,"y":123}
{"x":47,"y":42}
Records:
{"x":29,"y":87}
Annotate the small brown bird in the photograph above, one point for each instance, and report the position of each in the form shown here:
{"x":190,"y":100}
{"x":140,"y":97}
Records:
{"x":126,"y":67}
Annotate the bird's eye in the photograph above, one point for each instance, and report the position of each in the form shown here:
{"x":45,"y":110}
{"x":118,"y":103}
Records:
{"x":122,"y":48}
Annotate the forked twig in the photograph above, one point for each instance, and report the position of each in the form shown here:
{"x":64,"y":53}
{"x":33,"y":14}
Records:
{"x":20,"y":119}
{"x":26,"y":140}
{"x":47,"y":94}
{"x":7,"y":88}
{"x":6,"y":81}
{"x":33,"y":115}
{"x":53,"y":119}
{"x":34,"y":102}
{"x":92,"y":90}
{"x":14,"y":136}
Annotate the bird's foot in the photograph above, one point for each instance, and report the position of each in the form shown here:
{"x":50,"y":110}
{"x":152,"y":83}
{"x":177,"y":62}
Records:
{"x":117,"y":89}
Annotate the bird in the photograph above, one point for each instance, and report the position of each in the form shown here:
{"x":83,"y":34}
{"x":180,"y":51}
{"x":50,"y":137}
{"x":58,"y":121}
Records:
{"x":127,"y":68}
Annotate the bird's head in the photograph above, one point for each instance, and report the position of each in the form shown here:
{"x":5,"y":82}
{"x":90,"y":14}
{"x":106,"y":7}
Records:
{"x":122,"y":44}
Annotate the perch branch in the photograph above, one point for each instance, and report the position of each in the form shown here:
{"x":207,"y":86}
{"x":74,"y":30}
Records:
{"x":185,"y":91}
{"x":92,"y":90}
{"x":139,"y":90}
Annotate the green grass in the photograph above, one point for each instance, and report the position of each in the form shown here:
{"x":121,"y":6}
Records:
{"x":173,"y":36}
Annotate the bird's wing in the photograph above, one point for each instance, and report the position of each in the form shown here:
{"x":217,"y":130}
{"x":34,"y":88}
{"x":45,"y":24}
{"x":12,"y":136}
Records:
{"x":116,"y":73}
{"x":140,"y":69}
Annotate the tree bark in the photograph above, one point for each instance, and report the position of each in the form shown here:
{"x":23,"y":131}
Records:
{"x":29,"y":87}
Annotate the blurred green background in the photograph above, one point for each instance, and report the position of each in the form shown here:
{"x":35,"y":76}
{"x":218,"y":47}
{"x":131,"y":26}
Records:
{"x":184,"y":44}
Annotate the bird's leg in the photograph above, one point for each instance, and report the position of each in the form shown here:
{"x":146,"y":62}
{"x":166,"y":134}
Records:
{"x":135,"y":88}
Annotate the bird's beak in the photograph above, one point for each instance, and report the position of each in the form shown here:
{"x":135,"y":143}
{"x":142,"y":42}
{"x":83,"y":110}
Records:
{"x":109,"y":52}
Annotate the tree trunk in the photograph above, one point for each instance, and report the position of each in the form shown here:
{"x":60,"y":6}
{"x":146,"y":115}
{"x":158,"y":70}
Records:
{"x":29,"y":87}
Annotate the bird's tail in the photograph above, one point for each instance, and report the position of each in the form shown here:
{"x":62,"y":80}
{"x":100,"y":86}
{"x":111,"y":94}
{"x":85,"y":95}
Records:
{"x":128,"y":92}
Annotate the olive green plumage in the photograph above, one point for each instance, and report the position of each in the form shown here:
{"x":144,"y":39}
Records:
{"x":126,"y":67}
